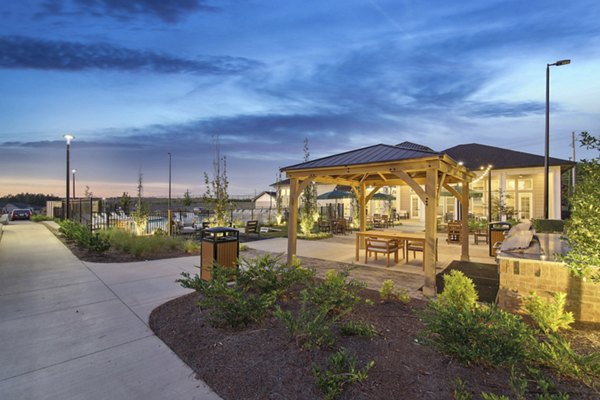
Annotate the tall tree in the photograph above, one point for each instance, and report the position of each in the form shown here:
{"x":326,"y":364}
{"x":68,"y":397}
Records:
{"x":583,"y":228}
{"x":216,"y":187}
{"x":309,"y":212}
{"x":125,"y":202}
{"x":140,"y":215}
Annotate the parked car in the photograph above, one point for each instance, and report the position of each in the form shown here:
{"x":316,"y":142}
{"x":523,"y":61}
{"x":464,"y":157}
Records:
{"x":20,"y":214}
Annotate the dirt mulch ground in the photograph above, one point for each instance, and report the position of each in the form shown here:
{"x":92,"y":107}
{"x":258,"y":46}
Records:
{"x":262,"y":362}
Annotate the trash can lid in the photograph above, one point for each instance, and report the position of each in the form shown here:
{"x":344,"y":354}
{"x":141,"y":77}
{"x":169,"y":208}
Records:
{"x":220,"y":229}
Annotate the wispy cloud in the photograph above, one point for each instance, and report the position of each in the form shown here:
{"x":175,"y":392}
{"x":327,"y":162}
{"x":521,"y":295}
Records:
{"x":18,"y":52}
{"x":169,"y":11}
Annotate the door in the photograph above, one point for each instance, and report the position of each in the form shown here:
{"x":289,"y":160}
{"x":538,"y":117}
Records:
{"x":525,"y":204}
{"x":414,"y":206}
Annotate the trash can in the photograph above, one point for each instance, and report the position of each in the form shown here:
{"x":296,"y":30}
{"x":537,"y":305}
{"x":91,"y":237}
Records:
{"x":497,"y":231}
{"x":220,"y":245}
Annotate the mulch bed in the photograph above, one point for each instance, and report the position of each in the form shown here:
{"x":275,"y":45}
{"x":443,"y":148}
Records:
{"x":263,"y":362}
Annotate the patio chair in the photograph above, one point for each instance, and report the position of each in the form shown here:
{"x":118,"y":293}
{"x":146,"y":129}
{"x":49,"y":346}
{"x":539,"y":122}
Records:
{"x":384,"y":246}
{"x":481,"y":233}
{"x":252,"y":227}
{"x":324,"y":226}
{"x":418,"y":246}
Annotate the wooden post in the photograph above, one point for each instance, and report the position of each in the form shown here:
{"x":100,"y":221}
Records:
{"x":362,"y":203}
{"x":429,"y":288}
{"x":292,"y":220}
{"x":464,"y":204}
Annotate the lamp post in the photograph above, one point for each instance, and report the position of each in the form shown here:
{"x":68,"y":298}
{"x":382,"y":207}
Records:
{"x":547,"y":147}
{"x":169,"y":212}
{"x":73,"y":171}
{"x":68,"y":137}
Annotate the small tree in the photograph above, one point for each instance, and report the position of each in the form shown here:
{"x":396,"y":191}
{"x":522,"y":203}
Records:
{"x":216,"y":188}
{"x":125,"y":202}
{"x":583,"y":229}
{"x":187,"y":199}
{"x":278,"y":201}
{"x":140,"y":215}
{"x":88,"y":193}
{"x":309,"y":212}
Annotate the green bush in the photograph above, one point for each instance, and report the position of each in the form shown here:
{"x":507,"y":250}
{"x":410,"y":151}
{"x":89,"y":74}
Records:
{"x":310,"y":328}
{"x":237,"y":297}
{"x":556,"y":353}
{"x":139,"y":246}
{"x":486,"y":335}
{"x":270,"y":274}
{"x":548,"y":225}
{"x":549,"y":315}
{"x":387,"y":292}
{"x":335,"y":295}
{"x":342,"y":371}
{"x":229,"y":305}
{"x":357,"y":328}
{"x":459,"y":291}
{"x":82,"y":235}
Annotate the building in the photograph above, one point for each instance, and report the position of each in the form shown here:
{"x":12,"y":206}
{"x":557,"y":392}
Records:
{"x":513,"y":180}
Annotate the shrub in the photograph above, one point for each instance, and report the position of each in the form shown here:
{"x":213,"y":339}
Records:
{"x":341,"y":372}
{"x":482,"y":334}
{"x":191,"y":247}
{"x":387,"y":292}
{"x":548,"y":225}
{"x":229,"y":305}
{"x":310,"y":328}
{"x":549,"y":315}
{"x":40,"y":218}
{"x":556,"y":353}
{"x":357,"y":328}
{"x":82,"y":235}
{"x":459,"y":291}
{"x":270,"y":274}
{"x":335,"y":295}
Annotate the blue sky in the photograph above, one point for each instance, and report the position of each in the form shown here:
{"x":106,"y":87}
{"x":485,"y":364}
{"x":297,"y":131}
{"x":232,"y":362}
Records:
{"x":136,"y":79}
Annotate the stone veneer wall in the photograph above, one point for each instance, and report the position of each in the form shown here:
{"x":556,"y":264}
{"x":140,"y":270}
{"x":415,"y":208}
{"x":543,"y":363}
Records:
{"x":520,"y":277}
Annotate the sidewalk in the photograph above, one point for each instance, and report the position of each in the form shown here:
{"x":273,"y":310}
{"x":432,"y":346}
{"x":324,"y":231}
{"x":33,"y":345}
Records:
{"x":72,"y":330}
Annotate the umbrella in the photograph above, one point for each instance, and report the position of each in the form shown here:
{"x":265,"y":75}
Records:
{"x":335,"y":195}
{"x":383,"y":196}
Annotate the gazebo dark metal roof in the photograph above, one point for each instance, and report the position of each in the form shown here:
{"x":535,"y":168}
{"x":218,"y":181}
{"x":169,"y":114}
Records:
{"x":378,"y":153}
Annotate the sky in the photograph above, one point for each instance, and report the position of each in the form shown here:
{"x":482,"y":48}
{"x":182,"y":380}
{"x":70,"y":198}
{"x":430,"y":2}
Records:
{"x":134,"y":80}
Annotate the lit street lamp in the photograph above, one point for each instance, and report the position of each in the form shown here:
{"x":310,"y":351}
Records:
{"x":68,"y":137}
{"x":547,"y":152}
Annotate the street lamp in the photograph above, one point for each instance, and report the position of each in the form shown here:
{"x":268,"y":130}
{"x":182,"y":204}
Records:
{"x":73,"y":171}
{"x":547,"y":152}
{"x":169,"y":213}
{"x":68,"y":137}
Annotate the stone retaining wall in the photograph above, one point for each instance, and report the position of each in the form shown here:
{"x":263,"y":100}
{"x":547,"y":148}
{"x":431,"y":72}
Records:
{"x":520,"y":277}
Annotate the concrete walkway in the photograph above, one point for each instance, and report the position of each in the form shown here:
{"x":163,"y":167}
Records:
{"x":77,"y":330}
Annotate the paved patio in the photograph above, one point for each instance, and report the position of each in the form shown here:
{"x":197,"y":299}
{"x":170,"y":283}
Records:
{"x":341,"y":250}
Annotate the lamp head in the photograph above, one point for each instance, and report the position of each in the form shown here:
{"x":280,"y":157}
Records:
{"x":560,"y":62}
{"x":74,"y":170}
{"x":68,"y":137}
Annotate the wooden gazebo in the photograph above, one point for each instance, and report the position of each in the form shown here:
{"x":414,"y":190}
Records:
{"x":374,"y":167}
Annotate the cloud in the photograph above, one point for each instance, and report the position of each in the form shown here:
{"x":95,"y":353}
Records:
{"x":169,"y":11}
{"x":18,"y":52}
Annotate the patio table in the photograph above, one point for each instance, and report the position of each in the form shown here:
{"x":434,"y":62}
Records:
{"x":403,"y":236}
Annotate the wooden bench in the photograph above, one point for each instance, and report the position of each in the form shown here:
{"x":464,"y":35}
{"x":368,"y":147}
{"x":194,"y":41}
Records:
{"x":252,"y":227}
{"x":384,"y":246}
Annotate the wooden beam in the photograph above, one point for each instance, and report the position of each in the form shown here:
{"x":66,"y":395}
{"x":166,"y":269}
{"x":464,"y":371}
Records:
{"x":414,"y":185}
{"x":454,"y":192}
{"x":441,"y":184}
{"x":383,"y":178}
{"x":362,"y":203}
{"x":429,"y":287}
{"x":293,"y":220}
{"x":370,"y":195}
{"x":465,"y":222}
